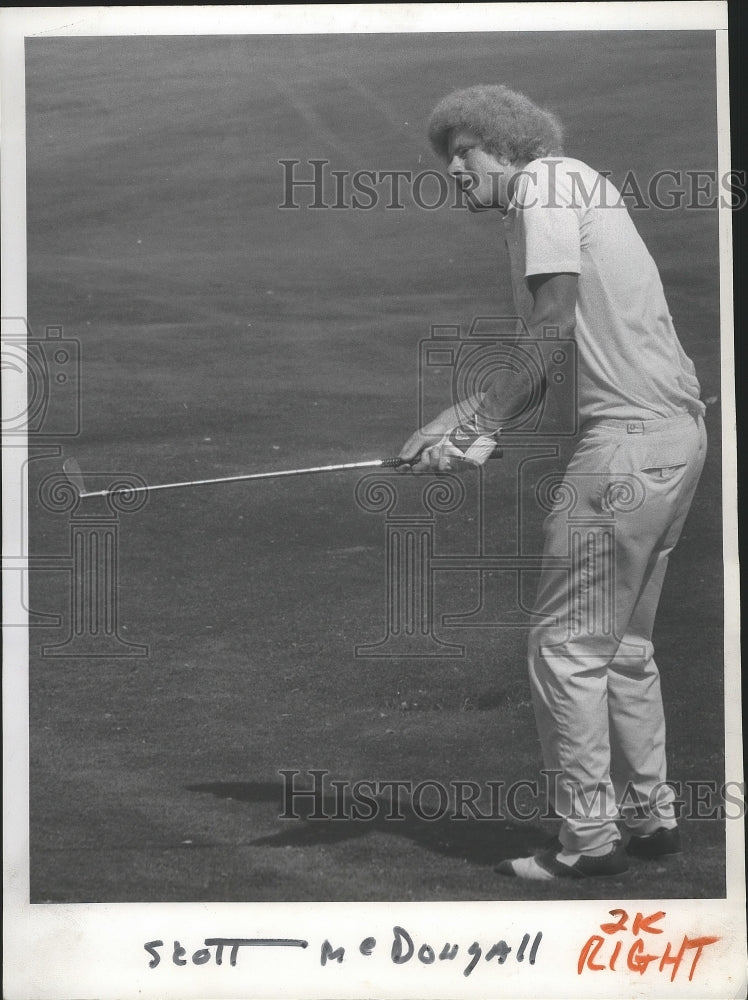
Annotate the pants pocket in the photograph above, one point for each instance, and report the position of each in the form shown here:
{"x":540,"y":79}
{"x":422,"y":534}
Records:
{"x":664,"y":459}
{"x":664,"y":472}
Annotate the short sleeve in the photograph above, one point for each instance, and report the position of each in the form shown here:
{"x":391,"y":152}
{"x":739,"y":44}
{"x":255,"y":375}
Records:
{"x":549,"y":220}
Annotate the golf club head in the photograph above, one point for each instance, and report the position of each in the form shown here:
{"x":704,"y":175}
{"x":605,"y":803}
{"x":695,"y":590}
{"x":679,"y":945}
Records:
{"x":73,"y":472}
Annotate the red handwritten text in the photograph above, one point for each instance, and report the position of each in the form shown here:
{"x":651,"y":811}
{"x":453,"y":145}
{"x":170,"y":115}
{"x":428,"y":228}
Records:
{"x":612,"y":950}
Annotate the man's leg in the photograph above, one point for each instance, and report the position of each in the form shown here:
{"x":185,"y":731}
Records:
{"x":570,"y":655}
{"x":568,"y":663}
{"x":569,"y":652}
{"x":637,"y":720}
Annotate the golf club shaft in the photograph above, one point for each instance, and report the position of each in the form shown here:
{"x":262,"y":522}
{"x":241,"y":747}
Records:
{"x":373,"y":464}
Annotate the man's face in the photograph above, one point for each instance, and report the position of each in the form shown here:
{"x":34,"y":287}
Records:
{"x":484,"y":178}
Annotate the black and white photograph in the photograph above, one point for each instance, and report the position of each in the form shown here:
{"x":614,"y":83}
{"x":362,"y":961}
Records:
{"x":370,"y":541}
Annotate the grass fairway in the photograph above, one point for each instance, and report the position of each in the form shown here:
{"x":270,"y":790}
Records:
{"x":220,"y":334}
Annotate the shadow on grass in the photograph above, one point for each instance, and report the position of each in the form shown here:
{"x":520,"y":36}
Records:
{"x":482,"y":841}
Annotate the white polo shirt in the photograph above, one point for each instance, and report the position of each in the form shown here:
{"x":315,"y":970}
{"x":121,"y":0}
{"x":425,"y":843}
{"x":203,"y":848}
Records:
{"x":566,"y":217}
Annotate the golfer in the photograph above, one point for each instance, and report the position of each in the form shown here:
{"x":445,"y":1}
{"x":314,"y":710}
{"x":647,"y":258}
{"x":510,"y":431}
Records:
{"x":578,"y":265}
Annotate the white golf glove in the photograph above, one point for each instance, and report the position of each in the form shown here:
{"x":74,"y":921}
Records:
{"x":468,"y":445}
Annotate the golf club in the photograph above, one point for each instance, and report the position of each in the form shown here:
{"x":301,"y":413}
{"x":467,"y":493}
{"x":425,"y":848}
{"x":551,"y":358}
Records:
{"x":73,"y":472}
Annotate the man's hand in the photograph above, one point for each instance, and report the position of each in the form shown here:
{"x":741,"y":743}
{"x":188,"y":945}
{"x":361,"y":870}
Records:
{"x":447,"y":443}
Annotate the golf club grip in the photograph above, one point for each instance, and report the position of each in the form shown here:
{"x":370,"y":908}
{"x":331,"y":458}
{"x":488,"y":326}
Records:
{"x":396,"y":463}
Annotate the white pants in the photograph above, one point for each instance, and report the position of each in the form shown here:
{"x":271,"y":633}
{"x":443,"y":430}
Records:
{"x":596,"y":689}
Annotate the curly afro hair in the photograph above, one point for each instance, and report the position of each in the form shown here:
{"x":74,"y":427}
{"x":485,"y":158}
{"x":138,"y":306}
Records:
{"x":507,"y":123}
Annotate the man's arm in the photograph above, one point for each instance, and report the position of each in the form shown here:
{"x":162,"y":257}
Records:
{"x":554,"y":301}
{"x":554,"y":304}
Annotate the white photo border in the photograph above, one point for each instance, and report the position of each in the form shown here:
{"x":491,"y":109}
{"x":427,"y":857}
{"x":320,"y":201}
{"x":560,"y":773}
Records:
{"x":96,"y":950}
